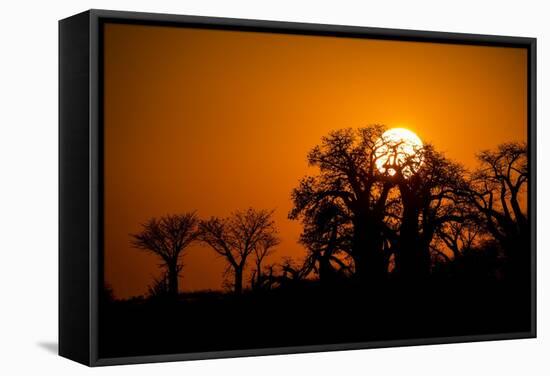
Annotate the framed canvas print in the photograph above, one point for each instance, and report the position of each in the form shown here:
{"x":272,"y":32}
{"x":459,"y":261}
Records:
{"x":239,"y":187}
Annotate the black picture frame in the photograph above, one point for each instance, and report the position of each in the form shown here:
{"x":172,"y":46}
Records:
{"x":80,"y":172}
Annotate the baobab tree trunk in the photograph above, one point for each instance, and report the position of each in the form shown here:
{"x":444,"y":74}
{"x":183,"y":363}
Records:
{"x":412,"y":260}
{"x":173,"y":280}
{"x":325,"y":270}
{"x":370,"y":266}
{"x":238,"y":280}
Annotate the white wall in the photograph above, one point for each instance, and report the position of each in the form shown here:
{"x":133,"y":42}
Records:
{"x":28,"y":184}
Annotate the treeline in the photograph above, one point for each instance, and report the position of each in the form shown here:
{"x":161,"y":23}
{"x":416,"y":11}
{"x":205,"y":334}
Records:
{"x":372,"y":212}
{"x":402,"y":216}
{"x":238,"y":238}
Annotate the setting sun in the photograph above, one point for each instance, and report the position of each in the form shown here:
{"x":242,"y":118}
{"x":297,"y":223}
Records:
{"x":396,"y":147}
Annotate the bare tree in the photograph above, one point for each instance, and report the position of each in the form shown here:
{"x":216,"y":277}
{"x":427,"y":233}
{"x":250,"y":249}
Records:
{"x":237,"y":237}
{"x":460,"y":236}
{"x":327,"y":236}
{"x":348,"y":178}
{"x":498,"y":192}
{"x":429,"y":199}
{"x":168,"y":237}
{"x":264,"y":247}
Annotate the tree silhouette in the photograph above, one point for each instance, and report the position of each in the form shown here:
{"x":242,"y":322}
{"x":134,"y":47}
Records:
{"x":429,"y":191}
{"x":327,"y":236}
{"x":168,"y":237}
{"x":459,"y":236}
{"x":292,"y":273}
{"x":237,"y":237}
{"x":496,"y":191}
{"x":376,"y":200}
{"x":264,"y":247}
{"x":348,"y":178}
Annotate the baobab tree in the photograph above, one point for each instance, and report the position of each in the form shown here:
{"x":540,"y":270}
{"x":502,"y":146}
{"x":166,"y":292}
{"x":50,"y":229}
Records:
{"x":264,"y":247}
{"x":236,"y":237}
{"x":348,"y":178}
{"x":498,"y":192}
{"x":168,"y":237}
{"x":429,"y":185}
{"x":460,"y":237}
{"x":327,"y":237}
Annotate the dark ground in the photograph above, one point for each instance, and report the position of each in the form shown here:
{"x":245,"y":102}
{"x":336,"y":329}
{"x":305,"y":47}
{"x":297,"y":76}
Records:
{"x":310,"y":314}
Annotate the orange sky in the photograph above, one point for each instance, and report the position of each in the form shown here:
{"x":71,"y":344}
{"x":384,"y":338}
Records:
{"x":214,"y":121}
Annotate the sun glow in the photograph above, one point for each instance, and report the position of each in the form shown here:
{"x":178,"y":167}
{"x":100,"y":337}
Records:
{"x":398,"y":149}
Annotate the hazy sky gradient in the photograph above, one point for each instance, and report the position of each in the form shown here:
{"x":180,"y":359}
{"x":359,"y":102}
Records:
{"x":215,"y":121}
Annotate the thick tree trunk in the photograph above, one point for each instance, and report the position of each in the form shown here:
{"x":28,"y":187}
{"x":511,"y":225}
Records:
{"x":238,"y":281}
{"x":370,"y":265}
{"x":173,"y":280}
{"x":412,"y":259}
{"x":325,"y":269}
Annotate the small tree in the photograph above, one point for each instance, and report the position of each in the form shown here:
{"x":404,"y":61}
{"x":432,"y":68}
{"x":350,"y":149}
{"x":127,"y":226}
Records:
{"x":327,"y":236}
{"x":264,"y":248}
{"x":237,"y":237}
{"x":168,"y":237}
